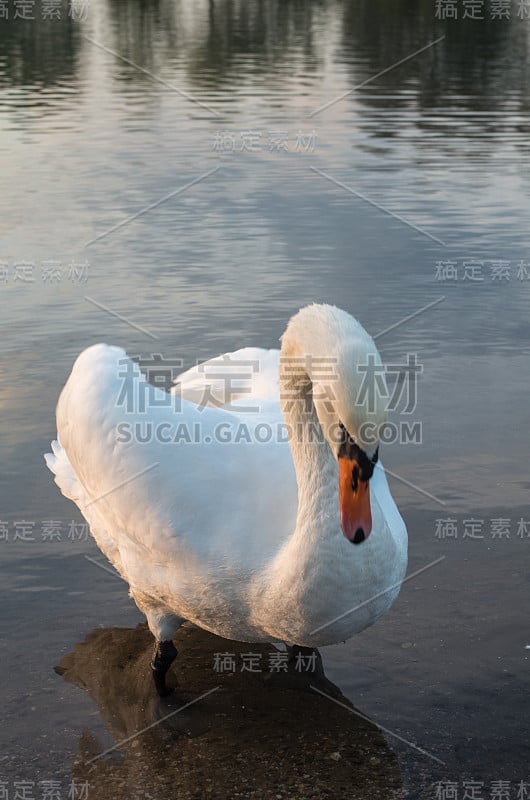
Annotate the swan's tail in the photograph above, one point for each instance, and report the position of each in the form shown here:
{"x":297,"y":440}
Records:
{"x":65,"y":477}
{"x":67,"y":481}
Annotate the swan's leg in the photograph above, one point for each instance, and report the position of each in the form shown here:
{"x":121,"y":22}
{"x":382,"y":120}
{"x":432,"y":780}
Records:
{"x":304,"y":668}
{"x":306,"y":664}
{"x":163,"y":656}
{"x":306,"y":660}
{"x":163,"y":625}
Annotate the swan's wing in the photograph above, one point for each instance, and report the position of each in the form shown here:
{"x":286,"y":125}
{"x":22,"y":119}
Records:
{"x":249,"y":374}
{"x":155,"y":474}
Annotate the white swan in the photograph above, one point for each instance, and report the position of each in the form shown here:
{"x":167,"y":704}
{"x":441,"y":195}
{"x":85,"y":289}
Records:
{"x":213,"y":514}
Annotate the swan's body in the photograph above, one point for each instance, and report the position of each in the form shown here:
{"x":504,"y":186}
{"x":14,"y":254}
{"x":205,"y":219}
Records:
{"x":242,"y":538}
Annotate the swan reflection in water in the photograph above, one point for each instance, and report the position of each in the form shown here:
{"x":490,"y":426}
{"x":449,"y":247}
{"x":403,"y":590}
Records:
{"x":258,"y":735}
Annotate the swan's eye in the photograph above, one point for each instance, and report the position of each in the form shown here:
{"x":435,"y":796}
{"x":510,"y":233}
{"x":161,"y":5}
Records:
{"x":345,"y":437}
{"x":348,"y":448}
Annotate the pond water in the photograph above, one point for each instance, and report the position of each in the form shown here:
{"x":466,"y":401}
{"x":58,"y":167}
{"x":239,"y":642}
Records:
{"x":204,"y":169}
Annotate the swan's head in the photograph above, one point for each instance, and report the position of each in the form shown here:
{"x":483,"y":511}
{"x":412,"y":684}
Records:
{"x":350,"y":397}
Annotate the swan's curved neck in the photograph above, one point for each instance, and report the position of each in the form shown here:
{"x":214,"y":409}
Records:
{"x":315,"y":465}
{"x":322,"y":348}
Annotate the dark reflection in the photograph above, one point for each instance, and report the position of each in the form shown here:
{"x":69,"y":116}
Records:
{"x":248,"y":737}
{"x":38,"y":53}
{"x":242,"y":39}
{"x":481,"y":65}
{"x":149,"y":33}
{"x":267,"y":34}
{"x":470,"y":61}
{"x":230,"y":43}
{"x":234,"y":41}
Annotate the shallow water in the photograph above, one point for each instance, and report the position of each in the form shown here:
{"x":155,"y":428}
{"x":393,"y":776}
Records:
{"x":434,"y":155}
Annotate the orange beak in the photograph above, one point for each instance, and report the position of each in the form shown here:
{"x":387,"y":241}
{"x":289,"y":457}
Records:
{"x":355,"y":512}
